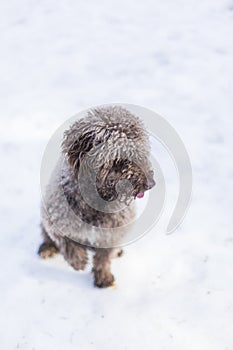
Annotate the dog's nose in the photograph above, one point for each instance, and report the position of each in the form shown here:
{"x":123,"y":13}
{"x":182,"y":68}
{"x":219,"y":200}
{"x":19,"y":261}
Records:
{"x":150,"y":183}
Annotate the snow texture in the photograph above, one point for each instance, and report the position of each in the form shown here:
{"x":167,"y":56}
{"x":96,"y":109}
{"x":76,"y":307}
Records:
{"x":174,"y":292}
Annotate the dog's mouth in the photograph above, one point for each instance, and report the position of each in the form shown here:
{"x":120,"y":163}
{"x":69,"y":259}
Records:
{"x":146,"y":187}
{"x":140,"y":195}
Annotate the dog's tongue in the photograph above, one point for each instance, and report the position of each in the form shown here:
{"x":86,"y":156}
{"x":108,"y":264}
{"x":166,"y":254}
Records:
{"x":140,"y":195}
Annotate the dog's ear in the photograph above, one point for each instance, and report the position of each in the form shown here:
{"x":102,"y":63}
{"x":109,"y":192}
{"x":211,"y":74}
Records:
{"x":76,"y":145}
{"x":107,"y":186}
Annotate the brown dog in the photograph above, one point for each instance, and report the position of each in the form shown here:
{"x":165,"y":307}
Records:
{"x":81,"y":211}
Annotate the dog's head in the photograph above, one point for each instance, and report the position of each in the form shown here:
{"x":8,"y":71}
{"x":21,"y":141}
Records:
{"x":124,"y":179}
{"x":115,"y":143}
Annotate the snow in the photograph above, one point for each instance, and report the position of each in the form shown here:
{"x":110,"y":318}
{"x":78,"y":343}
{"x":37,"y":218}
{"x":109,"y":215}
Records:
{"x":174,"y":57}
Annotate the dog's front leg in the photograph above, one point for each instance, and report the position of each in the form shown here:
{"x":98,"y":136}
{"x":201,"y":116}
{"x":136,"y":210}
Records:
{"x":102,"y":261}
{"x":74,"y":253}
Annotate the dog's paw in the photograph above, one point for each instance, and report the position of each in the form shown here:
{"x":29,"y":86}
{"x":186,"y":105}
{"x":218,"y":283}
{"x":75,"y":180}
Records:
{"x":47,"y":250}
{"x":120,"y":253}
{"x":117,"y":253}
{"x":103,"y":279}
{"x":78,"y":264}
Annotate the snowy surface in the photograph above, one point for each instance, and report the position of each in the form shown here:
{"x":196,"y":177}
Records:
{"x":58,"y":57}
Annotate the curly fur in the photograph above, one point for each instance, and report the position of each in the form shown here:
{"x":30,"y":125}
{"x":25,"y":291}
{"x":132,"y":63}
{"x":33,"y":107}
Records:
{"x":112,"y":142}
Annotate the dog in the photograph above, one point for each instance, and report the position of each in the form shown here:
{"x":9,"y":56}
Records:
{"x":89,"y":201}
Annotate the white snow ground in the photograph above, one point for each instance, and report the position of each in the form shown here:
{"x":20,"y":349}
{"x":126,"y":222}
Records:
{"x":58,"y":57}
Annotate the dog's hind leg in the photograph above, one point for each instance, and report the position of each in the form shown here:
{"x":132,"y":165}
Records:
{"x":102,"y":274}
{"x":74,"y":253}
{"x":48,"y":248}
{"x":117,"y":252}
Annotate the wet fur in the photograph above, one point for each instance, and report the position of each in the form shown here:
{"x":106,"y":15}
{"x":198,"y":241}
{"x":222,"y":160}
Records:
{"x":115,"y":141}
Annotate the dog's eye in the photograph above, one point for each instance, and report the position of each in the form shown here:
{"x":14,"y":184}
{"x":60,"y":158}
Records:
{"x":111,"y":182}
